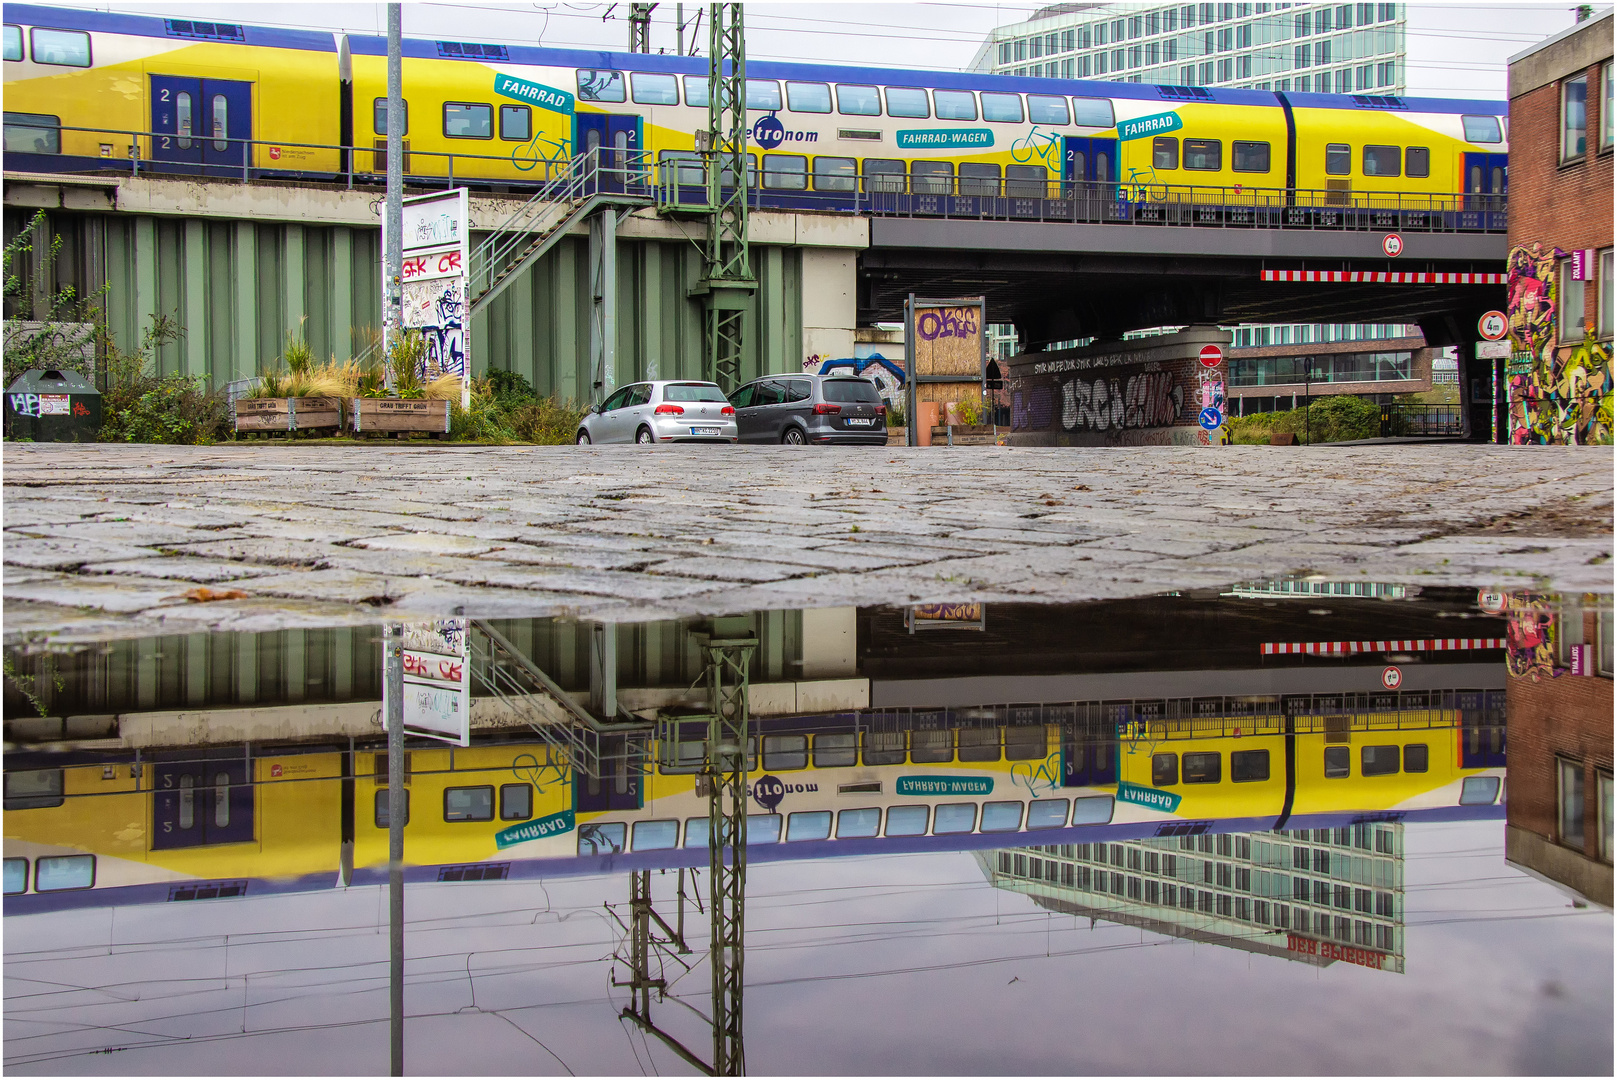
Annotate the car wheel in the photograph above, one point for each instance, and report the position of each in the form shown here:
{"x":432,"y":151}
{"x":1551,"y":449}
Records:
{"x":583,"y":438}
{"x":793,"y":437}
{"x":644,"y":437}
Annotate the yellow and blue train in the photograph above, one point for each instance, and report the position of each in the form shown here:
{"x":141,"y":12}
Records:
{"x":95,"y":90}
{"x":91,"y":828}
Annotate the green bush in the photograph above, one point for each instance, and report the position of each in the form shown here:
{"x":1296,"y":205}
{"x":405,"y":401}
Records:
{"x":139,"y":405}
{"x":505,"y":409}
{"x":1332,"y":419}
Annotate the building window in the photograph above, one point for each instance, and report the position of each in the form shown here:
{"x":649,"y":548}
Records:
{"x":1574,"y":117}
{"x":1603,"y":782}
{"x":1571,"y":313}
{"x":1569,"y":801}
{"x":1604,"y":318}
{"x":1605,"y":109}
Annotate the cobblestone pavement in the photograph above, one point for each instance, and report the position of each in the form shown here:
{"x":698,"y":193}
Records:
{"x":114,"y":540}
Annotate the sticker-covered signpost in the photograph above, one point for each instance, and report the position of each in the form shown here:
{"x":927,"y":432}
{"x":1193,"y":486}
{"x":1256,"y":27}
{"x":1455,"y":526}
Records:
{"x":946,"y":356}
{"x":435,"y":273}
{"x":437,"y":695}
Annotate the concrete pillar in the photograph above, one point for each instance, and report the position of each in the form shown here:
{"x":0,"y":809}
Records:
{"x":292,"y":269}
{"x":244,"y":331}
{"x":194,"y":273}
{"x":830,"y":309}
{"x":830,"y":641}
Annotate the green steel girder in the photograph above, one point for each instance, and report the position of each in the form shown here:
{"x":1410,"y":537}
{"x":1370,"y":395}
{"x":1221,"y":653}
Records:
{"x":729,"y":661}
{"x":728,"y":277}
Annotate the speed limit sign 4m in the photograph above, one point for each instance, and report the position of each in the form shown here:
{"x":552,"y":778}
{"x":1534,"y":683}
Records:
{"x":1392,"y":678}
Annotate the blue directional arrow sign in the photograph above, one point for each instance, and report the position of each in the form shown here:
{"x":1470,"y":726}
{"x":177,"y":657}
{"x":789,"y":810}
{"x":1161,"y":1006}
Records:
{"x":1210,"y":418}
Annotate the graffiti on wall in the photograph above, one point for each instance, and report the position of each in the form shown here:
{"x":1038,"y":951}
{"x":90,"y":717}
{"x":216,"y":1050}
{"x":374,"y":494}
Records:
{"x":437,"y":308}
{"x":1556,"y":395}
{"x":1530,"y":637}
{"x":888,"y":375}
{"x":1146,"y":399}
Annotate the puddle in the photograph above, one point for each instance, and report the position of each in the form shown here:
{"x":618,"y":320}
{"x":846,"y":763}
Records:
{"x":1187,"y":833}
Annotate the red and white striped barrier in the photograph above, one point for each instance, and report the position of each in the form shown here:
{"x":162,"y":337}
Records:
{"x":1332,"y":648}
{"x":1387,"y":277}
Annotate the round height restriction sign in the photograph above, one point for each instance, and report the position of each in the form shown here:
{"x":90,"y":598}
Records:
{"x":1211,"y":356}
{"x":1392,"y":678}
{"x":1492,"y":326}
{"x":1393,"y":245}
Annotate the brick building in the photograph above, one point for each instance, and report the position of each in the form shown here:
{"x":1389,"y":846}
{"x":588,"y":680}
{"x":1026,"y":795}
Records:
{"x":1285,"y":376}
{"x":1558,"y":709}
{"x":1560,"y":233}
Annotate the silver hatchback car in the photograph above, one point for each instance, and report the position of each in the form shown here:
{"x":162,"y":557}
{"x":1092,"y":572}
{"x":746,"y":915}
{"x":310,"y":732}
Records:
{"x":664,"y":411}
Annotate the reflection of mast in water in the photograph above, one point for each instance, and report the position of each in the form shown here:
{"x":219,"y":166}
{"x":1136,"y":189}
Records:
{"x":1314,"y":895}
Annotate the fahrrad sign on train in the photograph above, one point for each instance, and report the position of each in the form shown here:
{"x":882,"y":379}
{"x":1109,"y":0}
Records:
{"x":437,"y":681}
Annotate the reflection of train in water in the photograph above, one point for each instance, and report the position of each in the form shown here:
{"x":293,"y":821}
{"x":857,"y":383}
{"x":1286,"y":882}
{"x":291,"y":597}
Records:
{"x":197,"y":823}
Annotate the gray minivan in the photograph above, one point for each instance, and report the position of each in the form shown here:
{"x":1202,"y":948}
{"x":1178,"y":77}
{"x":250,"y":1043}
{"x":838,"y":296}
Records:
{"x":799,"y":409}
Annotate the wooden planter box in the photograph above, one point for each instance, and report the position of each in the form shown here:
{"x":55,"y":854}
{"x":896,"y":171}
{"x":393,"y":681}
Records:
{"x":399,"y":415}
{"x":287,"y":414}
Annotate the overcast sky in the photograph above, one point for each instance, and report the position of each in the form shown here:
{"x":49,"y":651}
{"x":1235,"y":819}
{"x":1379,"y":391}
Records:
{"x":1455,"y":49}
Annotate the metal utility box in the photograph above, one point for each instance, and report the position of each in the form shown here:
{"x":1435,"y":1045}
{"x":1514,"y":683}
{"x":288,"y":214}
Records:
{"x":52,"y":406}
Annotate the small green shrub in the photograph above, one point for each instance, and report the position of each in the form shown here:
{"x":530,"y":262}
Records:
{"x":505,"y":409}
{"x":139,"y":405}
{"x":895,"y":415}
{"x":546,"y":421}
{"x":1332,"y":419}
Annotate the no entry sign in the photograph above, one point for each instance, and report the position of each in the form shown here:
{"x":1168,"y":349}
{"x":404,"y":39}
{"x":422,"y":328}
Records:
{"x":1211,"y":356}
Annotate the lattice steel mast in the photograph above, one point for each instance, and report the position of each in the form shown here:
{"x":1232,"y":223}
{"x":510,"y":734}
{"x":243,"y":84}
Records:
{"x":725,"y":773}
{"x":728,"y":282}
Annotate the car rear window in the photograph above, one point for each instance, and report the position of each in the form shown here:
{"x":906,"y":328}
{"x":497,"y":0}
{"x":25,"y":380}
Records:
{"x":692,"y":391}
{"x":851,"y":390}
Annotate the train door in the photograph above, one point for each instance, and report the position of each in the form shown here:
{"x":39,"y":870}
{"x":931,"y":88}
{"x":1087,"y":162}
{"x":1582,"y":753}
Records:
{"x":1487,"y":180}
{"x":201,"y":802}
{"x":193,"y":120}
{"x":617,"y":139}
{"x":1088,"y":160}
{"x":620,"y":783}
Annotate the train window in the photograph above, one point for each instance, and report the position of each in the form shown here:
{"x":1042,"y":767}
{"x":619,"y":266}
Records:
{"x":696,"y":91}
{"x":1165,"y":152}
{"x":763,"y":828}
{"x":1415,"y":757}
{"x":686,"y":166}
{"x":33,"y":789}
{"x":1092,"y":112}
{"x":954,"y":818}
{"x":516,"y":802}
{"x":59,"y":873}
{"x":835,"y":174}
{"x":1047,"y":109}
{"x":516,"y":123}
{"x":785,"y":172}
{"x":595,"y":85}
{"x":931,"y":747}
{"x":463,"y":120}
{"x":835,"y":751}
{"x":469,"y":803}
{"x":1479,"y":790}
{"x":655,"y":835}
{"x":1249,"y":765}
{"x":69,"y":48}
{"x":1026,"y":744}
{"x":1094,"y":811}
{"x":381,"y":817}
{"x":907,"y":820}
{"x":1164,"y":770}
{"x":1378,"y":760}
{"x":1417,"y":161}
{"x":931,"y":177}
{"x":1204,"y":155}
{"x":858,"y":100}
{"x":14,"y":52}
{"x":727,"y":177}
{"x":221,"y":122}
{"x":858,"y":823}
{"x":884,"y":748}
{"x":809,"y":97}
{"x":1027,"y":182}
{"x":654,"y":88}
{"x":1046,"y":814}
{"x":884,"y":174}
{"x":784,"y":751}
{"x":1002,"y":108}
{"x":602,"y":838}
{"x":1479,"y":129}
{"x":907,"y":101}
{"x":1002,"y":816}
{"x":16,"y":869}
{"x":379,"y":116}
{"x":1381,"y":161}
{"x":763,"y":94}
{"x":979,"y":744}
{"x":955,"y":104}
{"x":182,"y":119}
{"x":696,"y":830}
{"x":1249,"y":156}
{"x":810,"y":825}
{"x":1205,"y":768}
{"x":1338,"y":159}
{"x":1337,"y":760}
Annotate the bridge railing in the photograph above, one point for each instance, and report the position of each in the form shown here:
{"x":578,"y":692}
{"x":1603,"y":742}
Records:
{"x":1421,"y":421}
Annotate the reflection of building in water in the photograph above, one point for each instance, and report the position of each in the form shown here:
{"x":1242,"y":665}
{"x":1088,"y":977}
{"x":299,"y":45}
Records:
{"x":1558,"y":708}
{"x":1315,"y":895}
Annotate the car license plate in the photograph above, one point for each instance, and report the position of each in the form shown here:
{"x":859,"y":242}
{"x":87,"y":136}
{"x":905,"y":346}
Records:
{"x":704,"y":431}
{"x":860,"y":421}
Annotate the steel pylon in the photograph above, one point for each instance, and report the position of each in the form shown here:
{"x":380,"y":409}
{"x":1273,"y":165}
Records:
{"x":728,"y":281}
{"x":725,"y":773}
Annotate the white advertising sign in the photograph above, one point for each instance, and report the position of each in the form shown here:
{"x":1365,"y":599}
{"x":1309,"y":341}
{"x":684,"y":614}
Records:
{"x":434,"y":281}
{"x":437,"y":681}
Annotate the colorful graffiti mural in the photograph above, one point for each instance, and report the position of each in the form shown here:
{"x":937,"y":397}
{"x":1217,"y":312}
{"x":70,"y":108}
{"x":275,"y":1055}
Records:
{"x":888,"y":375}
{"x":1140,"y":407}
{"x":437,"y":308}
{"x":1530,"y":637}
{"x":1557,"y":395}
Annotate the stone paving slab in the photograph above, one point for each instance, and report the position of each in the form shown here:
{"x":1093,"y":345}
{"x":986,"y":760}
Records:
{"x":357,"y":533}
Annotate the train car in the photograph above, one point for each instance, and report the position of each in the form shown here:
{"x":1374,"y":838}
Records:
{"x":224,"y":97}
{"x":88,"y":829}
